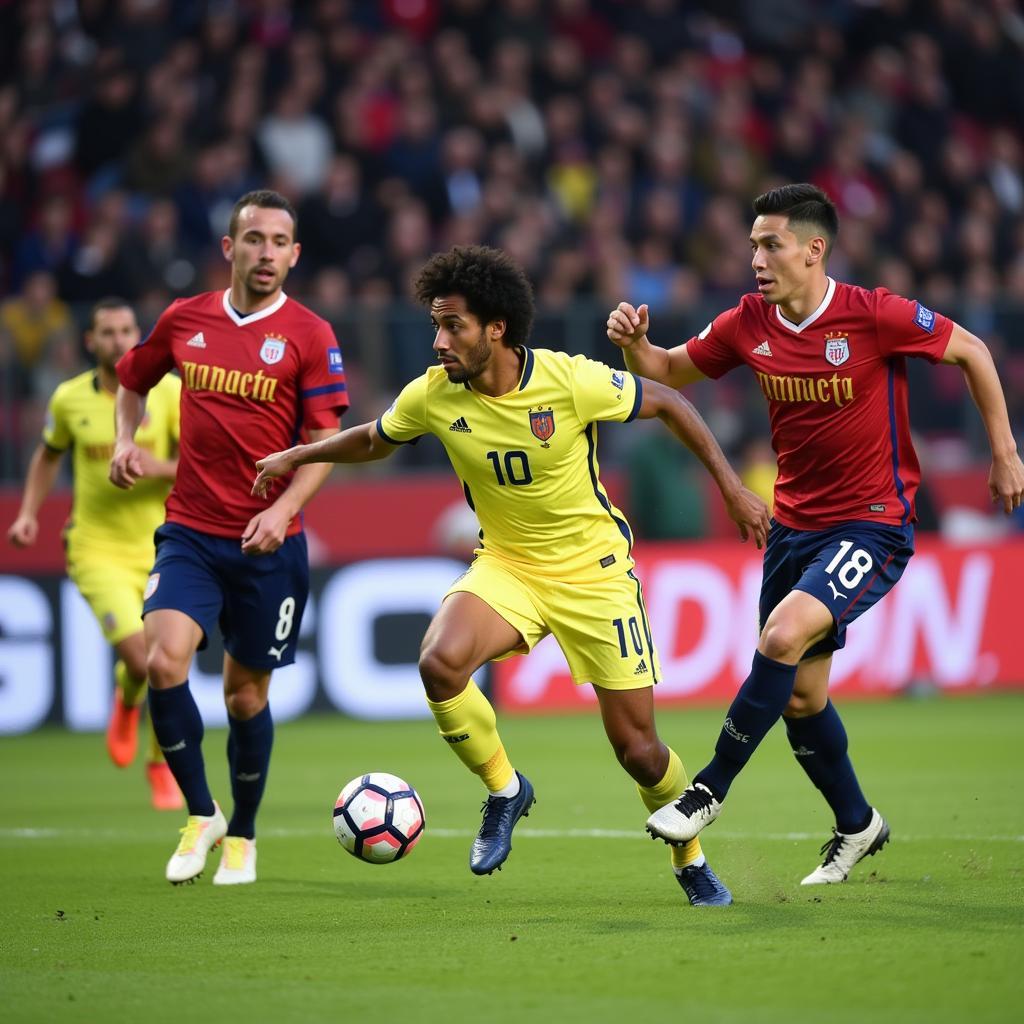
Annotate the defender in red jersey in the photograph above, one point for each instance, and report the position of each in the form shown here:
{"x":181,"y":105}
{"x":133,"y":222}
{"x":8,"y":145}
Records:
{"x":830,"y":360}
{"x":256,"y":369}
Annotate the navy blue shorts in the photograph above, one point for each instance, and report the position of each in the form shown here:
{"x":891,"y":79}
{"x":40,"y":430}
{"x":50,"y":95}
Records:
{"x":257,"y":600}
{"x":847,"y":567}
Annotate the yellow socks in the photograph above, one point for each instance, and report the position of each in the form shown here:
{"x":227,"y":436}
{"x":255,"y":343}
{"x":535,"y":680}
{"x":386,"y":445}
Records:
{"x":153,"y":752}
{"x":133,"y":691}
{"x":664,"y":792}
{"x":468,"y":725}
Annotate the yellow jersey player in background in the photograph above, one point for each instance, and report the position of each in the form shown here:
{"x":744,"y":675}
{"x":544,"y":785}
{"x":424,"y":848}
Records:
{"x":520,"y":428}
{"x":109,"y":537}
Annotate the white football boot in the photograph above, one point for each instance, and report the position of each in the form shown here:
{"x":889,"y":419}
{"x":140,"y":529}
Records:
{"x":681,"y":820}
{"x":199,"y":836}
{"x":237,"y":862}
{"x":843,"y":851}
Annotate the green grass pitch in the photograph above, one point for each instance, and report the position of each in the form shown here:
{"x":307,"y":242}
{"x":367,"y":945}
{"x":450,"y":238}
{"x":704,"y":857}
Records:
{"x":584,"y":923}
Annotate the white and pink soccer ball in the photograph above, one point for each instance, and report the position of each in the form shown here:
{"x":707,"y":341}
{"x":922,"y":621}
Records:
{"x":378,"y":817}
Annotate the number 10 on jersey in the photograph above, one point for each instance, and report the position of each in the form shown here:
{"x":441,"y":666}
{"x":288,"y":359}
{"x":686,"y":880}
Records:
{"x":517,"y":468}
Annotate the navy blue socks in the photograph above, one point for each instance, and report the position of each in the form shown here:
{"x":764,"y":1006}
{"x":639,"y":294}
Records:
{"x":756,"y":708}
{"x":179,"y":731}
{"x":249,"y":744}
{"x":819,"y":743}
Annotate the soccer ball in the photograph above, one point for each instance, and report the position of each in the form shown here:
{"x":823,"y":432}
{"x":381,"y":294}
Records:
{"x":378,"y":817}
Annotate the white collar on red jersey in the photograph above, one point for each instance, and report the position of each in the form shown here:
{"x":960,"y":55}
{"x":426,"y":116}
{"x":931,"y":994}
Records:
{"x":252,"y":317}
{"x":797,"y":328}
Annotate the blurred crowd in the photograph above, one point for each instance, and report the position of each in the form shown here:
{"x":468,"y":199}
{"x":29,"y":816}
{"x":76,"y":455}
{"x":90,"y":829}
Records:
{"x":611,"y":146}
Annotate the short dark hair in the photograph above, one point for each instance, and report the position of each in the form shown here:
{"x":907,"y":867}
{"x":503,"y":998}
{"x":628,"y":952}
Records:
{"x":266,"y":199}
{"x":109,"y":302}
{"x":494,"y":287}
{"x":804,"y":205}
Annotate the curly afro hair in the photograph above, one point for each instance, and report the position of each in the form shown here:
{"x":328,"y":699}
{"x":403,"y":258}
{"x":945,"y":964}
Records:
{"x":494,"y":287}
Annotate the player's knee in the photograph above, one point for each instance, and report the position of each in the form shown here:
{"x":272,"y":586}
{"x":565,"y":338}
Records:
{"x":782,"y":641}
{"x":136,"y":666}
{"x":245,"y":703}
{"x":798,"y":707}
{"x":803,"y":705}
{"x":164,"y":669}
{"x":443,"y":674}
{"x":641,"y":756}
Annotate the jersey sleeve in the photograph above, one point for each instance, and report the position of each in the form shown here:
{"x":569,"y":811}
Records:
{"x":56,"y":435}
{"x":714,"y":350}
{"x":141,"y":368}
{"x":322,"y":386}
{"x":908,"y":328}
{"x":406,"y":420}
{"x":601,"y":393}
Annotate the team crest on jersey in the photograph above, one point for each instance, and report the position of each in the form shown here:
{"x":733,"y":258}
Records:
{"x":837,"y":347}
{"x":273,"y":349}
{"x":151,"y":584}
{"x":542,"y":423}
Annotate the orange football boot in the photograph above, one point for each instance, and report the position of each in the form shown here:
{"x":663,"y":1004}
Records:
{"x":123,"y":733}
{"x":163,"y":790}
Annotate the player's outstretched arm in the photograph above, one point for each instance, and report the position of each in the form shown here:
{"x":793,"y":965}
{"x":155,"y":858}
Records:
{"x":357,"y":444}
{"x":971,"y":354}
{"x":745,"y":508}
{"x":127,"y":464}
{"x":267,"y":530}
{"x":39,"y":481}
{"x":628,"y":327}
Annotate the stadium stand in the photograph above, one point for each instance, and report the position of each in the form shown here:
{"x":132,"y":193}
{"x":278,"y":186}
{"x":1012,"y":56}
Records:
{"x":611,"y":147}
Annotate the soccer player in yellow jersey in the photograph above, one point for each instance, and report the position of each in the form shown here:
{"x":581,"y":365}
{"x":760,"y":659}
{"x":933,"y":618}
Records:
{"x":520,"y":428}
{"x":109,"y":537}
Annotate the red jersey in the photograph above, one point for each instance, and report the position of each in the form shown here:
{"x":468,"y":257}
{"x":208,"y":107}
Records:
{"x":249,"y":385}
{"x":836,"y":387}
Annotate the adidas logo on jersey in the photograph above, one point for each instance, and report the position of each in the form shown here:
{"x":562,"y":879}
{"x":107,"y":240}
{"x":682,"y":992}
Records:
{"x":764,"y":349}
{"x":641,"y":669}
{"x":196,"y":341}
{"x":461,"y":426}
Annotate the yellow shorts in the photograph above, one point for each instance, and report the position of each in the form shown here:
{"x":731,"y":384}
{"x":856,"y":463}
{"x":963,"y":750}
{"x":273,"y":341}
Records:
{"x":601,"y":627}
{"x":113,"y":591}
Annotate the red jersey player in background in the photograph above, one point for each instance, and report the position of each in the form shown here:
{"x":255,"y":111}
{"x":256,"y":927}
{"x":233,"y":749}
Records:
{"x":257,"y":370}
{"x":830,"y":360}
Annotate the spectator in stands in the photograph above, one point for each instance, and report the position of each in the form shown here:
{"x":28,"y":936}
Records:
{"x":543,"y":127}
{"x":296,"y":141}
{"x":32,"y":325}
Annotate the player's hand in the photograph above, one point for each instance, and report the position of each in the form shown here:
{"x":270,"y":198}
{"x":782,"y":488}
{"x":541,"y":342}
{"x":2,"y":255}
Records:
{"x":149,"y":464}
{"x":1006,"y":482}
{"x":628,"y":325}
{"x":126,"y":466}
{"x":265,"y":532}
{"x":271,"y":466}
{"x":750,"y":514}
{"x":23,"y":531}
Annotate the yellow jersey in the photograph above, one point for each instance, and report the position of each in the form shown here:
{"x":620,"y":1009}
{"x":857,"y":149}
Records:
{"x":80,"y":416}
{"x":528,"y":460}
